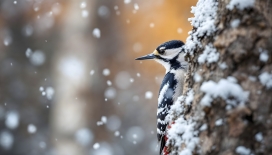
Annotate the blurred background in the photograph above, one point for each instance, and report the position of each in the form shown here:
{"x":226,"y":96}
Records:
{"x":69,"y":84}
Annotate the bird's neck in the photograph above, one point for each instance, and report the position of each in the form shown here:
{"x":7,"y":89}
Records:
{"x":176,"y":63}
{"x":165,"y":64}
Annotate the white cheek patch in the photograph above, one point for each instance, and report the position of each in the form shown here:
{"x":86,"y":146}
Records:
{"x":182,"y":61}
{"x":171,"y":53}
{"x":181,"y":57}
{"x":165,"y":64}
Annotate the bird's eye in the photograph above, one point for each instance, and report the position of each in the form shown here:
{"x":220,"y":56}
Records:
{"x":161,"y":52}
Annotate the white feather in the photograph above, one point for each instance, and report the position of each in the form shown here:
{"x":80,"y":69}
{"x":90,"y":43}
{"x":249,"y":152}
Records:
{"x":171,"y":53}
{"x":179,"y":76}
{"x":162,"y":92}
{"x":166,"y":65}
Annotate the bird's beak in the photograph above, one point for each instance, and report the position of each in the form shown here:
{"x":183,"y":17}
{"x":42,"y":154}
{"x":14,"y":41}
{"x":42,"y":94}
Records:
{"x":149,"y":56}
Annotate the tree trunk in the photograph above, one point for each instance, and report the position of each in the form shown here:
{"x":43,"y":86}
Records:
{"x":227,"y":100}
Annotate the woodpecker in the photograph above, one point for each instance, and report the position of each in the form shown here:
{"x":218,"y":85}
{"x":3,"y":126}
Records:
{"x":171,"y":55}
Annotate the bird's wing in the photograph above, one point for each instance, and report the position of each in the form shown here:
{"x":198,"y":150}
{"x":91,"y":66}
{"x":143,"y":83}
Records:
{"x":165,"y":102}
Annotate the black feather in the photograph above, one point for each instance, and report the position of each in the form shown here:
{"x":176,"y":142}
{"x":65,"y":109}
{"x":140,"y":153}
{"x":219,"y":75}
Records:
{"x":162,"y":144}
{"x":171,"y":44}
{"x":166,"y":103}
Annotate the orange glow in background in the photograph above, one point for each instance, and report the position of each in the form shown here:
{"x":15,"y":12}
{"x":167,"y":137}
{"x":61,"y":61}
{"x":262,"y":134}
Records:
{"x":69,"y":81}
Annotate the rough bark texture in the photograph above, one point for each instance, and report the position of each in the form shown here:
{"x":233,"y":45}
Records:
{"x":239,"y":48}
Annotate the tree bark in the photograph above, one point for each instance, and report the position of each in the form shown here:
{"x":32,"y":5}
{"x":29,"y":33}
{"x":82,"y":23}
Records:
{"x":227,"y":103}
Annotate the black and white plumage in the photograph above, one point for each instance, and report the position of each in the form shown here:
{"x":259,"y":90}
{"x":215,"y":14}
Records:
{"x":171,"y":55}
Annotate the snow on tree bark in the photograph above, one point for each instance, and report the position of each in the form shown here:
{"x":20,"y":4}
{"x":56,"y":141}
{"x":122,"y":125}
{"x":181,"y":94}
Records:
{"x":226,"y":107}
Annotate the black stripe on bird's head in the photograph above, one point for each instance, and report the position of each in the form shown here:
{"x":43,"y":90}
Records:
{"x":165,"y":52}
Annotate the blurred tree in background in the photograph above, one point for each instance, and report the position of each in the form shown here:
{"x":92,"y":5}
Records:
{"x":68,"y":80}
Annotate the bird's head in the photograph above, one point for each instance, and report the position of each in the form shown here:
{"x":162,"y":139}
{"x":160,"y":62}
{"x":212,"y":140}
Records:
{"x":168,"y":54}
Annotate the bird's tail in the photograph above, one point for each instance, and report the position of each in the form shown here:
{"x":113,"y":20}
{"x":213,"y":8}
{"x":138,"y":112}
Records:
{"x":164,"y":150}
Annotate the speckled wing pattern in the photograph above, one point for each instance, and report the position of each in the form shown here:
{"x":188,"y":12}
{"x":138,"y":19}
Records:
{"x":165,"y":101}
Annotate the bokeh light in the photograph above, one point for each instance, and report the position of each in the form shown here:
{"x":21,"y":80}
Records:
{"x":69,"y":81}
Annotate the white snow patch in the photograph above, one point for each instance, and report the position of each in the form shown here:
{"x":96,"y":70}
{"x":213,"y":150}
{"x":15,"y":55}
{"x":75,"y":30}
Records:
{"x":96,"y":146}
{"x":102,"y":122}
{"x":41,"y":88}
{"x":31,"y":128}
{"x":49,"y":93}
{"x":242,"y":150}
{"x":223,"y":65}
{"x":225,"y":88}
{"x":28,"y":30}
{"x":110,"y":93}
{"x":240,"y":4}
{"x":263,"y":55}
{"x":42,"y":145}
{"x":136,"y":6}
{"x":183,"y":133}
{"x":103,"y":11}
{"x":113,"y":123}
{"x":209,"y":54}
{"x":28,"y":52}
{"x":116,"y":133}
{"x":96,"y":33}
{"x":197,"y":77}
{"x":176,"y":109}
{"x":12,"y":119}
{"x":37,"y":58}
{"x":7,"y":40}
{"x":102,"y":149}
{"x":127,"y":1}
{"x":104,"y":119}
{"x":6,"y":140}
{"x":135,"y":134}
{"x":106,"y":72}
{"x":43,"y":93}
{"x":203,"y":127}
{"x":190,"y":97}
{"x":84,"y":13}
{"x":122,"y":80}
{"x":99,"y":123}
{"x":266,"y":80}
{"x":219,"y":122}
{"x":83,"y":5}
{"x":148,"y":95}
{"x":259,"y":137}
{"x":235,"y":23}
{"x":92,"y":72}
{"x":72,"y":67}
{"x":84,"y":136}
{"x":109,"y":83}
{"x":252,"y":78}
{"x":205,"y":13}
